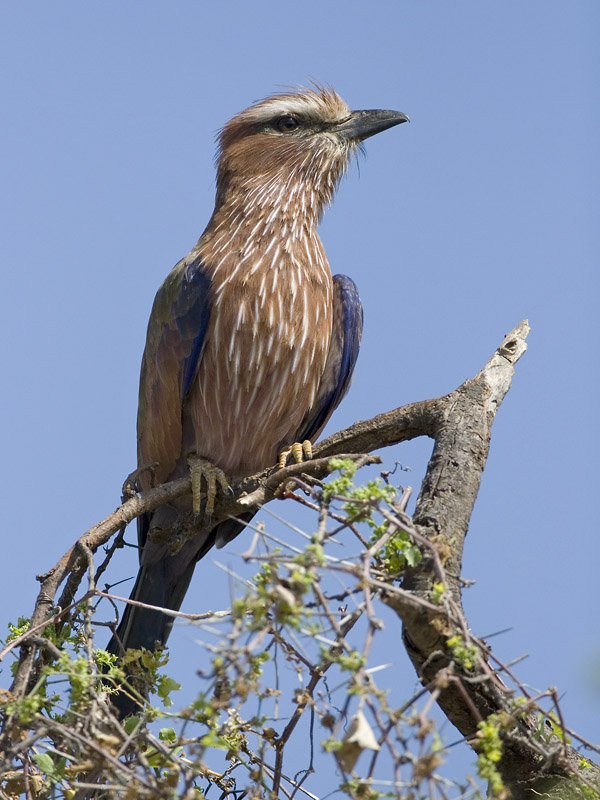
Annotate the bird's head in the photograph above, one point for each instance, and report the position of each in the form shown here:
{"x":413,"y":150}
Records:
{"x":289,"y":151}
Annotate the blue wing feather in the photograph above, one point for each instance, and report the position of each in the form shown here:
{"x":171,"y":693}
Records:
{"x":191,"y":312}
{"x":343,"y":352}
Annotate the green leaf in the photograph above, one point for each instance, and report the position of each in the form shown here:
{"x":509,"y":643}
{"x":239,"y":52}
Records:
{"x":164,"y":687}
{"x":44,"y":762}
{"x":167,"y":734}
{"x":131,"y":724}
{"x":412,"y":554}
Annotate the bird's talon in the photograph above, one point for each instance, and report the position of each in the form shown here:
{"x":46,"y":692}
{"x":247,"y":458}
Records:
{"x":302,"y":451}
{"x":201,"y":468}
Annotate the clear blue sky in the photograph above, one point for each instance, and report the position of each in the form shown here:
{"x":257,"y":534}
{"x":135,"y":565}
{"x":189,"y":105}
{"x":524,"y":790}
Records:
{"x":483,"y":211}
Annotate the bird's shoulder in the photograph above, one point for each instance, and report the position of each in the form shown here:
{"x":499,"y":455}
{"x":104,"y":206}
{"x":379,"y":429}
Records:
{"x":188,"y":283}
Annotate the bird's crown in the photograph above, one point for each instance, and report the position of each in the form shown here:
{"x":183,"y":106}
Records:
{"x":295,"y":113}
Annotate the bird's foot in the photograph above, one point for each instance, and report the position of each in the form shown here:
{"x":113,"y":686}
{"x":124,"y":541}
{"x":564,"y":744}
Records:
{"x":301,"y":451}
{"x":133,"y":485}
{"x":200,"y":469}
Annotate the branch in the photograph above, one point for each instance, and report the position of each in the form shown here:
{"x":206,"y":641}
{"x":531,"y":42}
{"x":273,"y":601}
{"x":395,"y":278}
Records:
{"x":461,"y":424}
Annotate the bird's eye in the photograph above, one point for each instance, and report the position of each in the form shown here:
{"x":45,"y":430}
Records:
{"x":286,"y":124}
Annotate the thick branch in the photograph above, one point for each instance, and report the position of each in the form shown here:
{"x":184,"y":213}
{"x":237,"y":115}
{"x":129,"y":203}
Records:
{"x":461,"y":424}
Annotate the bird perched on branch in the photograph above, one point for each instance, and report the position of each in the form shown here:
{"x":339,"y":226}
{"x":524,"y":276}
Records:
{"x":251,"y":343}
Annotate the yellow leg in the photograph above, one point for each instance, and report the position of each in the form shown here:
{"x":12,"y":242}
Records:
{"x":201,"y":468}
{"x":301,"y":451}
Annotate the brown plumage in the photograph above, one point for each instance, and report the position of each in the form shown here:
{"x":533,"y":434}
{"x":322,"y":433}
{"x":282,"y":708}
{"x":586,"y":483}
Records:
{"x":251,"y":342}
{"x":270,"y":327}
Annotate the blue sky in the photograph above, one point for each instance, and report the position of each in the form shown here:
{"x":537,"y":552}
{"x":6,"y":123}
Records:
{"x":483,"y":211}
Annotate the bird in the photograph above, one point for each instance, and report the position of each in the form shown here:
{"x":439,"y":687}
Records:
{"x":251,"y":343}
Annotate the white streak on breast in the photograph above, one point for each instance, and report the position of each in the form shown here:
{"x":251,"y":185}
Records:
{"x":238,"y":404}
{"x":257,"y":352}
{"x":217,"y":328}
{"x":255,"y":267}
{"x":270,"y":245}
{"x":305,"y":317}
{"x":309,"y":258}
{"x":256,"y":317}
{"x":277,"y":349}
{"x":293,"y":286}
{"x":307,"y":366}
{"x":241,"y":315}
{"x":221,"y":261}
{"x":270,"y":341}
{"x":236,"y":366}
{"x":253,"y":231}
{"x":275,"y":256}
{"x":261,"y":290}
{"x":296,"y":359}
{"x":232,"y":343}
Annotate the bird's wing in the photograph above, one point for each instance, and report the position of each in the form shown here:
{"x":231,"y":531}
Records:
{"x":343,"y":352}
{"x":174,"y":344}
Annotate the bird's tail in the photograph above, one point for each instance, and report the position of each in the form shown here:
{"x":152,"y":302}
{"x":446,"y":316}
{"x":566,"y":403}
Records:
{"x":162,"y":581}
{"x":145,"y":627}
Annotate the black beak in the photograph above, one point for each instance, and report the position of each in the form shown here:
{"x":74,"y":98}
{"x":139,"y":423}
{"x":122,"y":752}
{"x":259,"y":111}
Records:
{"x":363,"y":124}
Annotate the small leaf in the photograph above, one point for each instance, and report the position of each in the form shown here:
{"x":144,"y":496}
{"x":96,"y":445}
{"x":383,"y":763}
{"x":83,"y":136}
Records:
{"x":165,"y":687}
{"x":412,"y":554}
{"x":130,"y":724}
{"x":167,"y":734}
{"x":44,"y":762}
